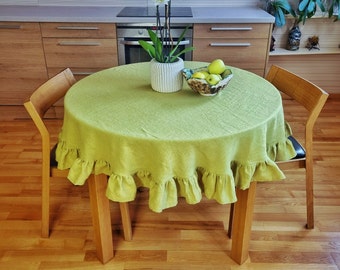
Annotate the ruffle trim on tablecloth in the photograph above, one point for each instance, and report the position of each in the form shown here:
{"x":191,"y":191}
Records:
{"x":283,"y":150}
{"x":164,"y":194}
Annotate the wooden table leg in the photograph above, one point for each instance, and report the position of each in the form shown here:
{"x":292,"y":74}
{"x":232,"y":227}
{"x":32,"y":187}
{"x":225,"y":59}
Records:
{"x":242,"y":220}
{"x":126,"y":220}
{"x":101,"y":217}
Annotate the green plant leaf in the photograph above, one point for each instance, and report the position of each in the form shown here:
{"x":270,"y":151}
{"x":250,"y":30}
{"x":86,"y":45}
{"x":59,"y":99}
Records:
{"x":174,"y":57}
{"x":149,"y":48}
{"x":281,"y":17}
{"x":284,"y":4}
{"x":321,"y":6}
{"x":331,"y":11}
{"x":311,"y":7}
{"x":178,"y":42}
{"x":303,"y":4}
{"x":335,"y":3}
{"x":279,"y":9}
{"x":158,"y":46}
{"x":303,"y":16}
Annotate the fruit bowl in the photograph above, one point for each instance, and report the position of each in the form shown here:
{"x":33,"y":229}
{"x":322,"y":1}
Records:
{"x":201,"y":86}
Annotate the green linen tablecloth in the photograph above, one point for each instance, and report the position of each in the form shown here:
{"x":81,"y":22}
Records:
{"x":115,"y":124}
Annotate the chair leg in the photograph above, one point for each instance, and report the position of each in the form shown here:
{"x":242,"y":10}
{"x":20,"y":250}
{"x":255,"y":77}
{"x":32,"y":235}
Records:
{"x":101,"y":217}
{"x":309,"y":197}
{"x":45,"y":206}
{"x":231,"y":217}
{"x":126,"y":220}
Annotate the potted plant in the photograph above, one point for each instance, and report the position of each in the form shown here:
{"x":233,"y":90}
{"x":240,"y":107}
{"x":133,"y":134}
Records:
{"x":279,"y":9}
{"x":166,"y":65}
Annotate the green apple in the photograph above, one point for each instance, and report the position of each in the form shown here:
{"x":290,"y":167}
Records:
{"x":206,"y":73}
{"x":216,"y":67}
{"x":213,"y":79}
{"x":198,"y":75}
{"x":226,"y":73}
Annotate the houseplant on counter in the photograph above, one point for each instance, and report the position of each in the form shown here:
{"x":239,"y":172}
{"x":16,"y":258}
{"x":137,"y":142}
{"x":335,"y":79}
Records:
{"x":279,"y":9}
{"x":166,"y":65}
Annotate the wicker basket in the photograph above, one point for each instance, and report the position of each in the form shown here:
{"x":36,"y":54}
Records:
{"x":201,"y":86}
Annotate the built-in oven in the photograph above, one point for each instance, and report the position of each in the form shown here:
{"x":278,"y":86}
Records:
{"x":128,"y":34}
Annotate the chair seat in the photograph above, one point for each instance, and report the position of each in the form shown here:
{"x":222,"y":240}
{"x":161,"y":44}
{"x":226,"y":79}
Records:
{"x":300,"y":151}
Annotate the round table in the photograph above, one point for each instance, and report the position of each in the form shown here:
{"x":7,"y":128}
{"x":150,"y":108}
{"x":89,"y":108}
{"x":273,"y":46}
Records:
{"x":115,"y":124}
{"x":178,"y":144}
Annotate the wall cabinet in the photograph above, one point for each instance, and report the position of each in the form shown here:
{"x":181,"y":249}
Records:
{"x":22,"y":61}
{"x":83,"y":47}
{"x":240,"y":45}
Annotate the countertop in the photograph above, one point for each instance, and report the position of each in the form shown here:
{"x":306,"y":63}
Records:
{"x":109,"y":15}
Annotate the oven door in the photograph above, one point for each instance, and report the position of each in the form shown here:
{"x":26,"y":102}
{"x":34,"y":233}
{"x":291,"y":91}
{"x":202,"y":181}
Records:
{"x":129,"y":50}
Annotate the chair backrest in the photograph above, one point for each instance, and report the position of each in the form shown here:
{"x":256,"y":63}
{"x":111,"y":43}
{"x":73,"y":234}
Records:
{"x":51,"y":91}
{"x":42,"y":99}
{"x":304,"y":92}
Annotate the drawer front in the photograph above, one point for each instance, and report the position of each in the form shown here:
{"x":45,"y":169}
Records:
{"x":80,"y":53}
{"x":250,"y":54}
{"x":231,"y":30}
{"x":79,"y":30}
{"x":19,"y":31}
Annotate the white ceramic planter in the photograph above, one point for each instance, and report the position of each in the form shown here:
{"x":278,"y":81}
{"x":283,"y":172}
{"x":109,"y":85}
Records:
{"x":166,"y":77}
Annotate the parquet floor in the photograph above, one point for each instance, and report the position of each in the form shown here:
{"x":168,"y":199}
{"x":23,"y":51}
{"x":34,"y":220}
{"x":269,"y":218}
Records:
{"x":185,"y":237}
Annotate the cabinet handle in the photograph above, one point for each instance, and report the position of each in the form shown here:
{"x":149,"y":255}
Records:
{"x":131,"y":42}
{"x":10,"y":26}
{"x":230,"y":44}
{"x":78,"y":43}
{"x":231,"y":28}
{"x":77,"y":28}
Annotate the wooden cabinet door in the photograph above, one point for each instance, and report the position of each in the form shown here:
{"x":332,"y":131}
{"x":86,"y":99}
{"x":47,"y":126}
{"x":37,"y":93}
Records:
{"x":22,"y":61}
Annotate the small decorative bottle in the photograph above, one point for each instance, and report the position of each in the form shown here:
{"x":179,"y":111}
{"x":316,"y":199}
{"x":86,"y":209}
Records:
{"x":294,"y":38}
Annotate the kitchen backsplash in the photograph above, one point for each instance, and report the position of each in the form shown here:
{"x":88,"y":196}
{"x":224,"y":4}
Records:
{"x":129,"y":2}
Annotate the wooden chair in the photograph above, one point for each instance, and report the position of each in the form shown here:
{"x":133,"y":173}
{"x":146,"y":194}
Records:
{"x":37,"y":105}
{"x":312,"y":98}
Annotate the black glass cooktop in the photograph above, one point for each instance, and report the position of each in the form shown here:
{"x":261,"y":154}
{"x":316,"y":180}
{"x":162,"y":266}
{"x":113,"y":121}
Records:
{"x":151,"y":12}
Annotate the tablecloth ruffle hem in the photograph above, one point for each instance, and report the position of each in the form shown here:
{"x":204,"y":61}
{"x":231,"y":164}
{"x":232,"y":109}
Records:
{"x":164,"y":194}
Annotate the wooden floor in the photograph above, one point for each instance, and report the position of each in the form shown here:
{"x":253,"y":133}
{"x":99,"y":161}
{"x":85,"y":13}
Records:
{"x":185,"y":237}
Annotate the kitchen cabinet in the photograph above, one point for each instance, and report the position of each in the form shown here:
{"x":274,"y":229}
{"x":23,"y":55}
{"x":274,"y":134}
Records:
{"x":22,"y":61}
{"x":83,"y":47}
{"x":240,"y":45}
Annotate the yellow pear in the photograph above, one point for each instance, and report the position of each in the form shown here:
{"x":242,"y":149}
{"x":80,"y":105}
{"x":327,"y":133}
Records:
{"x":198,"y":75}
